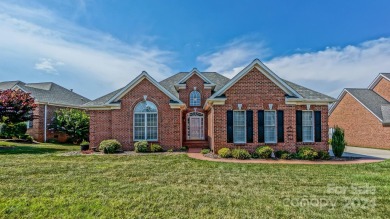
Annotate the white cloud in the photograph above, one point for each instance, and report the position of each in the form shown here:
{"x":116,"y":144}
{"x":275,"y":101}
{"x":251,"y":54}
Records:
{"x":329,"y":70}
{"x":48,"y":65}
{"x":232,"y":57}
{"x":31,"y":33}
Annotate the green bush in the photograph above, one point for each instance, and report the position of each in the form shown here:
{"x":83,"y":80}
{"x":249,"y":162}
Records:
{"x":306,"y":153}
{"x":184,"y":148}
{"x":338,"y":142}
{"x":241,"y":154}
{"x":109,"y":146}
{"x":84,"y":143}
{"x":156,"y":148}
{"x":27,"y":137}
{"x":205,"y":151}
{"x":11,"y":130}
{"x":323,"y":155}
{"x":141,"y":147}
{"x":264,"y":152}
{"x":170,"y":150}
{"x":283,"y":154}
{"x":225,"y":152}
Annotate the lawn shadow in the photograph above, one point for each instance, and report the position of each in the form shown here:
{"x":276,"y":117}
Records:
{"x":28,"y":150}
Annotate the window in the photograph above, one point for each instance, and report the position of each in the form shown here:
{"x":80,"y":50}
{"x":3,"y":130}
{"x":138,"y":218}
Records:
{"x":194,"y":98}
{"x":307,"y":126}
{"x":239,"y":127}
{"x":270,"y":126}
{"x":145,"y":121}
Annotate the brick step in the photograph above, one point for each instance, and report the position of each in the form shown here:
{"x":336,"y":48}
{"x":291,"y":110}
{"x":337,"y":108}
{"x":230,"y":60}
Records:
{"x":196,"y":144}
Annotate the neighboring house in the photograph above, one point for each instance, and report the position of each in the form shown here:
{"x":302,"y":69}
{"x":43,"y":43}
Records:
{"x":49,"y":97}
{"x":206,"y":109}
{"x":364,"y":114}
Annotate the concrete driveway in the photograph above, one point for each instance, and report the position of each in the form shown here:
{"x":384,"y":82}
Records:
{"x":351,"y":151}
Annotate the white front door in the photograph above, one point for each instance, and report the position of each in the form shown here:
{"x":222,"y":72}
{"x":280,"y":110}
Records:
{"x":195,"y":127}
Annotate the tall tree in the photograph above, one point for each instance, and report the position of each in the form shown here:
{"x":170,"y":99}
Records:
{"x":16,"y":106}
{"x":72,"y":122}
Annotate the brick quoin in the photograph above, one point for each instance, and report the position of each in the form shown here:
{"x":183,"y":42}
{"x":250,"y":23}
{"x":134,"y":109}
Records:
{"x":255,"y":92}
{"x":361,"y":127}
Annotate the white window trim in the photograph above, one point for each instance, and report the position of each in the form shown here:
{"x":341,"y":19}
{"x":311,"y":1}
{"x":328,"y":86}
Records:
{"x":245,"y":141}
{"x":200,"y":98}
{"x":145,"y":124}
{"x":276,"y":128}
{"x":312,"y":127}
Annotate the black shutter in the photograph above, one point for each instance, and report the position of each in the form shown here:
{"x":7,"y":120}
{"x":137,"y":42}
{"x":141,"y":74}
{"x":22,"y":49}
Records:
{"x":260,"y":130}
{"x":249,"y":126}
{"x":229,"y":121}
{"x":280,"y":126}
{"x":299,"y":125}
{"x":317,"y":126}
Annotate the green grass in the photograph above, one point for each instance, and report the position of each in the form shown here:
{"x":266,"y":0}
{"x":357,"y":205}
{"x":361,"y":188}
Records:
{"x":42,"y":148}
{"x":175,"y":186}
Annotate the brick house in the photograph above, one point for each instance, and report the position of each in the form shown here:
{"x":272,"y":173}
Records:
{"x":364,"y":114}
{"x":49,"y":97}
{"x":206,"y":109}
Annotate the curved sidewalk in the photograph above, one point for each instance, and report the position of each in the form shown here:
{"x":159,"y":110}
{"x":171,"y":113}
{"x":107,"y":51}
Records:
{"x":200,"y":156}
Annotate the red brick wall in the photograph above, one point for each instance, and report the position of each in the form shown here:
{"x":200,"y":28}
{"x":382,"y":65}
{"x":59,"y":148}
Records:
{"x":361,"y":127}
{"x":37,"y":131}
{"x":184,"y":95}
{"x":383,"y":88}
{"x":118,"y":124}
{"x":255,"y":91}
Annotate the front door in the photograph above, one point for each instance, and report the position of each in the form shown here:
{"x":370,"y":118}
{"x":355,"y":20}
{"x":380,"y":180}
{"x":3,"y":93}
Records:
{"x":195,"y":126}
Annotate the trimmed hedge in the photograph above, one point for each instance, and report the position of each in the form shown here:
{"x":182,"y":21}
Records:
{"x":225,"y":152}
{"x":241,"y":154}
{"x":205,"y":151}
{"x":156,"y":148}
{"x":264,"y":152}
{"x":109,"y":146}
{"x":17,"y":130}
{"x":306,"y":153}
{"x":141,"y":147}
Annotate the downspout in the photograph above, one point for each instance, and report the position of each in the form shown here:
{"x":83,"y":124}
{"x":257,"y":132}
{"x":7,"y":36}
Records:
{"x":45,"y":124}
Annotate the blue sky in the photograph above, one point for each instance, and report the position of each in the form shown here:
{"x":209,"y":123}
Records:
{"x":95,"y":46}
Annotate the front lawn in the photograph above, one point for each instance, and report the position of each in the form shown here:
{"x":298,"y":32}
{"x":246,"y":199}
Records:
{"x":48,"y":185}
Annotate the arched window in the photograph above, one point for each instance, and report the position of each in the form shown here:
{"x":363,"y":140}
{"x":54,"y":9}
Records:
{"x":145,"y":121}
{"x":194,"y":98}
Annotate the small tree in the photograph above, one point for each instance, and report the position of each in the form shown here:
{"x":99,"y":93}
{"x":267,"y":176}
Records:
{"x":16,"y":106}
{"x":73,"y":122}
{"x":338,"y":142}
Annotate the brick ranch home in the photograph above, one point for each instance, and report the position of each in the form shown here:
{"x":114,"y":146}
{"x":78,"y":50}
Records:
{"x":206,"y":109}
{"x":364,"y":114}
{"x":49,"y":97}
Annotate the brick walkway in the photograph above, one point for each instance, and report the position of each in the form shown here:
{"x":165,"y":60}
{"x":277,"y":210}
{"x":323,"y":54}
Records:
{"x":200,"y":156}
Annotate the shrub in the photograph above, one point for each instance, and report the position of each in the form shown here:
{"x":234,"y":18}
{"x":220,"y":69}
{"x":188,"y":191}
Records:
{"x":205,"y":151}
{"x":84,"y":143}
{"x":285,"y":155}
{"x":156,"y":148}
{"x":225,"y":152}
{"x":307,"y":153}
{"x":241,"y":154}
{"x":264,"y":152}
{"x":184,"y":148}
{"x":141,"y":147}
{"x":338,"y":142}
{"x":323,"y":155}
{"x":109,"y":146}
{"x":11,"y":130}
{"x":170,"y":150}
{"x":27,"y":137}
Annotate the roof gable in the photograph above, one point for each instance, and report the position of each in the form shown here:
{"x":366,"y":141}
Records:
{"x":385,"y":76}
{"x":368,"y":99}
{"x":137,"y":80}
{"x":264,"y":70}
{"x":195,"y":72}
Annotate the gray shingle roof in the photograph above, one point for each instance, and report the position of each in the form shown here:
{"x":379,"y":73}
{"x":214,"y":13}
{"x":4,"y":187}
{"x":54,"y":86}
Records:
{"x":387,"y":75}
{"x":308,"y":93}
{"x":102,"y":100}
{"x":5,"y":85}
{"x":48,"y":92}
{"x":371,"y":100}
{"x":220,"y":81}
{"x":386,"y":113}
